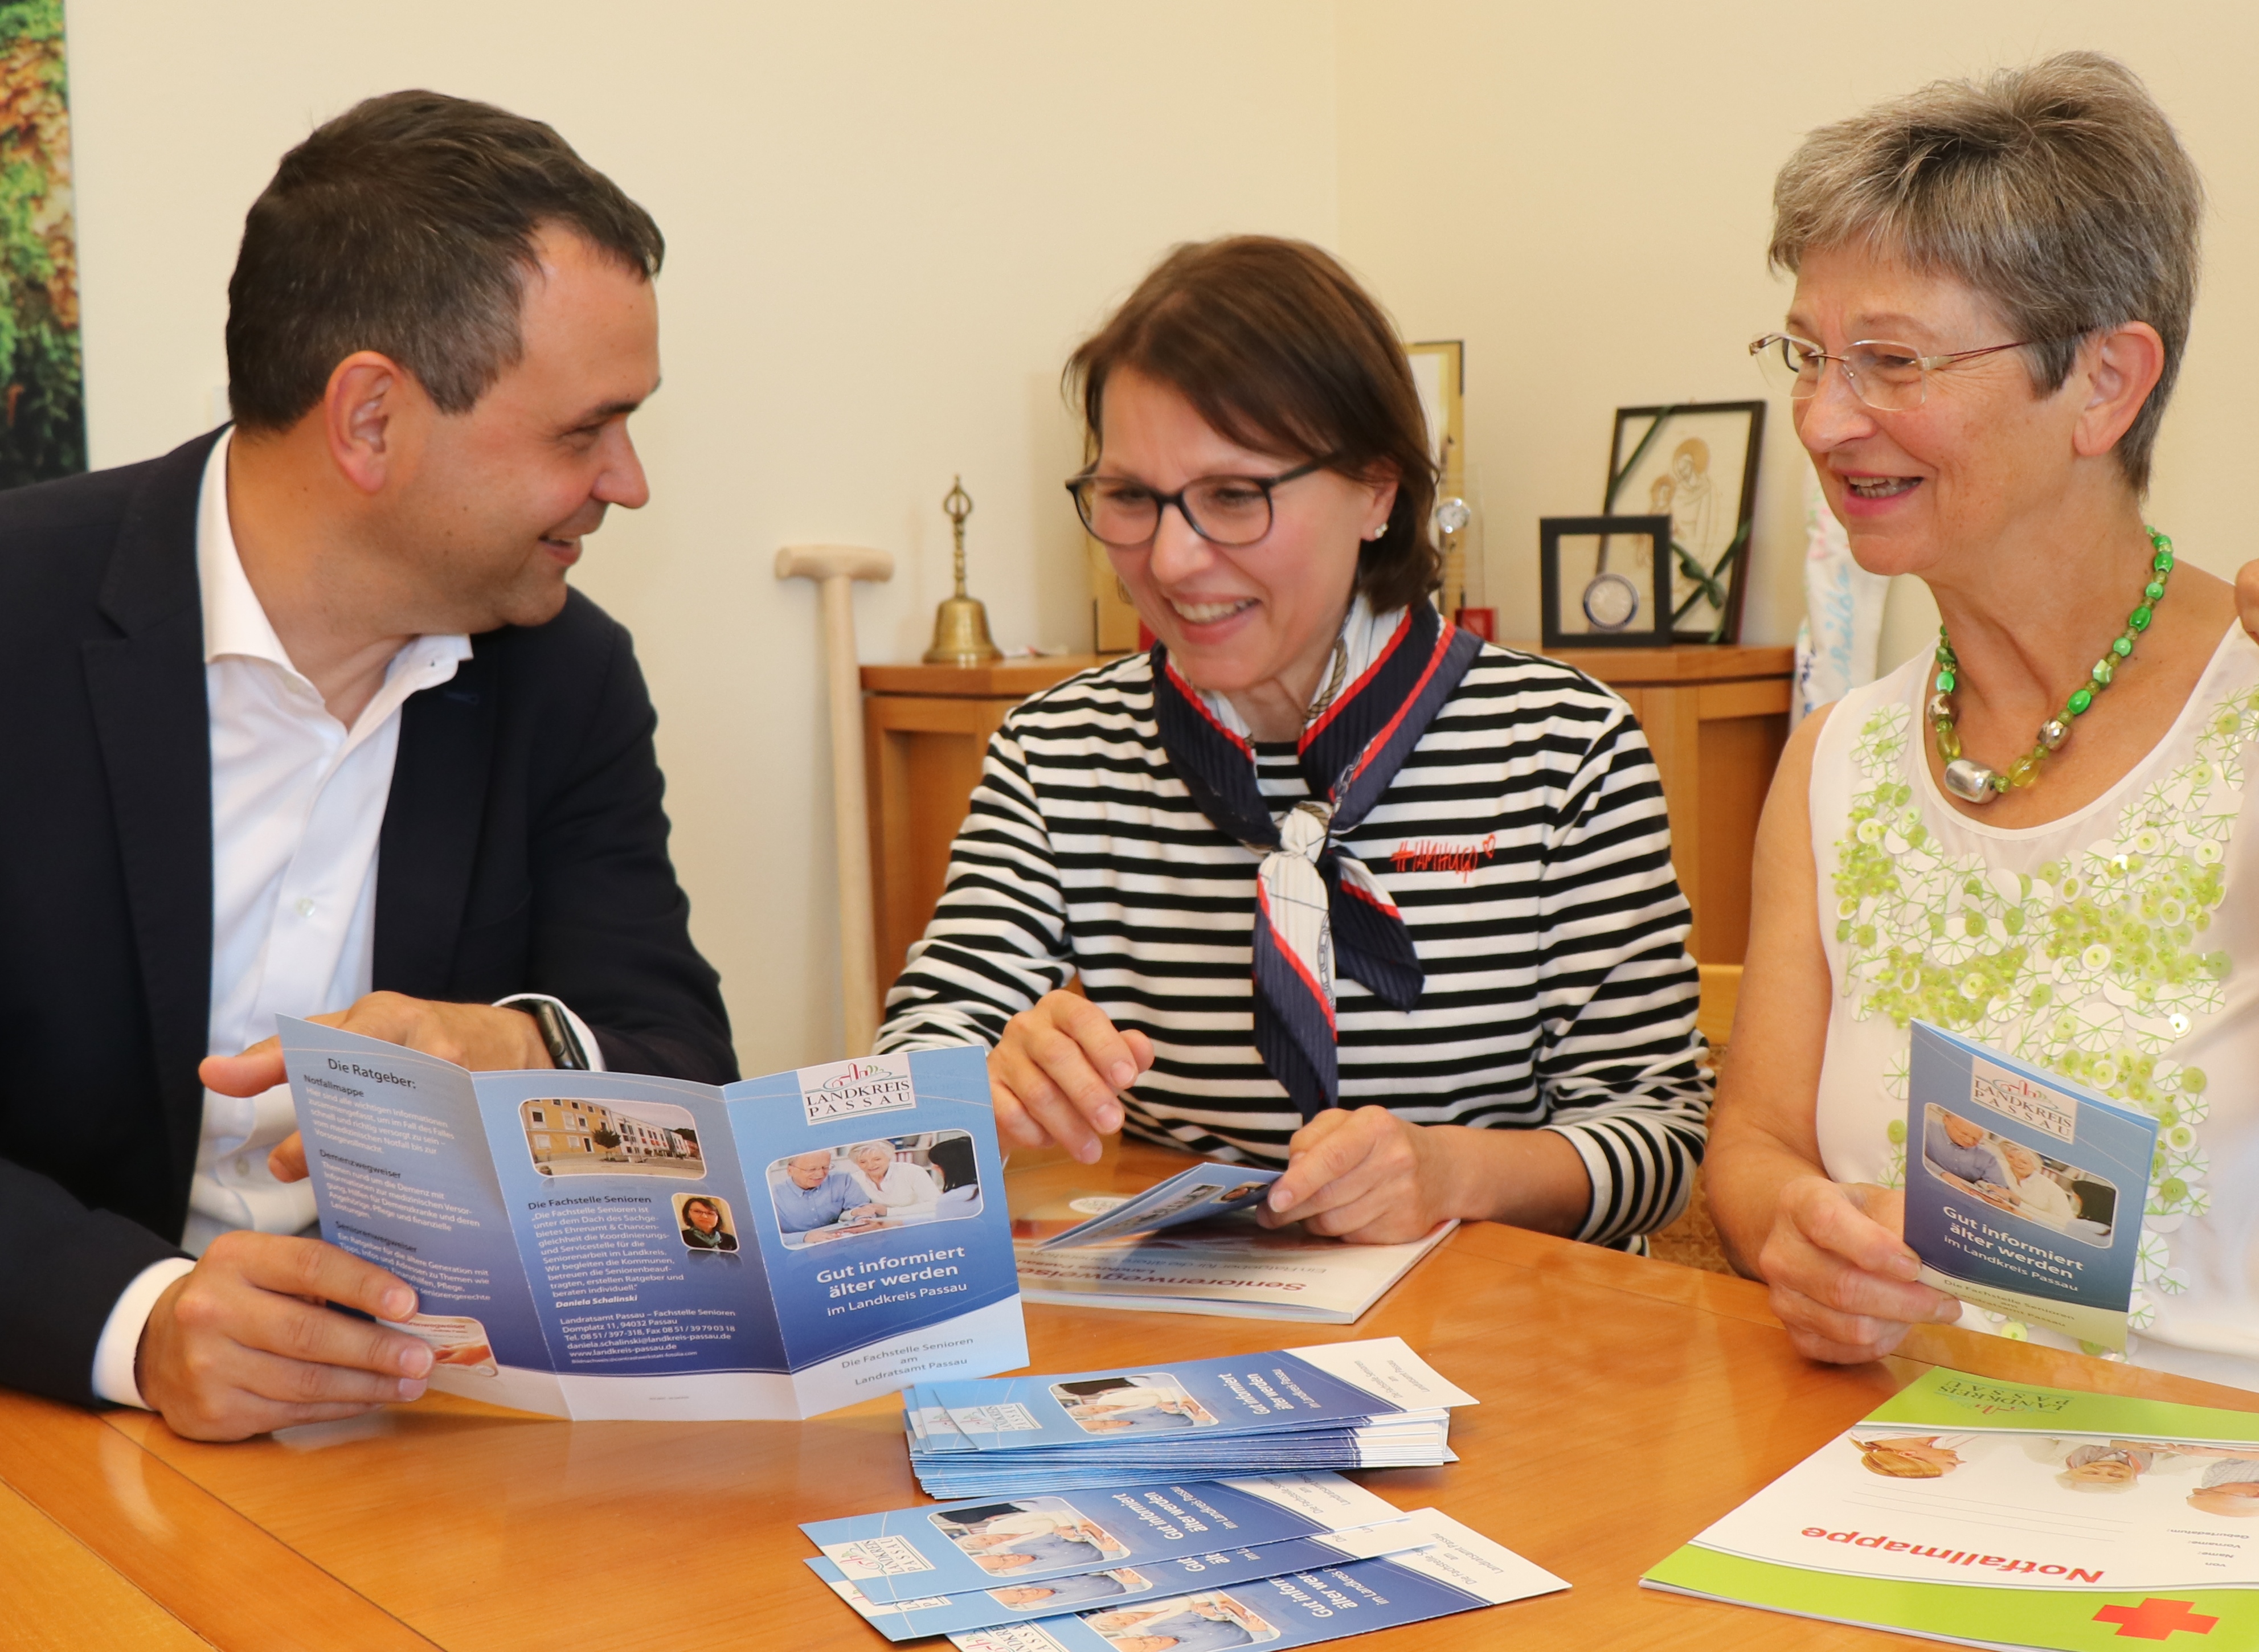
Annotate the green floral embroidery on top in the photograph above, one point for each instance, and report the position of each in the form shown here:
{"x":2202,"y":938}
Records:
{"x":2095,"y":967}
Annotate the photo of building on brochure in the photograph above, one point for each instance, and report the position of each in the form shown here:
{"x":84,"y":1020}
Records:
{"x":571,"y":1137}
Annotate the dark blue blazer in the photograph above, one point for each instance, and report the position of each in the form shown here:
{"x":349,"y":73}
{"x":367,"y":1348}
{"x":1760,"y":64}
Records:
{"x":523,"y":849}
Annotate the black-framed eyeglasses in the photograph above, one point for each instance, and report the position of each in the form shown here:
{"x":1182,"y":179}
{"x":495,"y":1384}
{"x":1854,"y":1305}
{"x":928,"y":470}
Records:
{"x":1893,"y":378}
{"x":1225,"y":510}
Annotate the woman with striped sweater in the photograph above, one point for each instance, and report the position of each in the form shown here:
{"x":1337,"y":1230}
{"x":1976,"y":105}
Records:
{"x":1348,"y":890}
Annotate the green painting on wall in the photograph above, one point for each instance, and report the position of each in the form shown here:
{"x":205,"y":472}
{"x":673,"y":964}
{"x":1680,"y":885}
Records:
{"x":42,"y":388}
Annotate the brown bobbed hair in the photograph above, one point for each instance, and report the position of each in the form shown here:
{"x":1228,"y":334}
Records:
{"x":1278,"y":348}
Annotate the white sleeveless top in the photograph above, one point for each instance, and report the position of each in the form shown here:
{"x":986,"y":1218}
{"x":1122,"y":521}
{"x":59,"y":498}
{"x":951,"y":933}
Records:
{"x":2119,"y":946}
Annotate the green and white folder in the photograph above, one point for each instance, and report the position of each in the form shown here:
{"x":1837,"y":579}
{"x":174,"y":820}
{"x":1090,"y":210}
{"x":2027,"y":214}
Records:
{"x":1996,"y":1515}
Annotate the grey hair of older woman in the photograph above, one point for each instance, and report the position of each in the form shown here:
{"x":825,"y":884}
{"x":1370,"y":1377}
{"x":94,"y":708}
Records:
{"x":2058,"y":191}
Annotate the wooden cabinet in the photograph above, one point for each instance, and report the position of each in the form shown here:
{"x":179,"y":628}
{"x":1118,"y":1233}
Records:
{"x":1716,"y":718}
{"x":925,"y":730}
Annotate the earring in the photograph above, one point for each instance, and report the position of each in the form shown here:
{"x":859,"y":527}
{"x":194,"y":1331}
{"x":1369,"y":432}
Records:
{"x":1378,"y":532}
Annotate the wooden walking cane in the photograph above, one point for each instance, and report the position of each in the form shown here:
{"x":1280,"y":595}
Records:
{"x":836,"y":568}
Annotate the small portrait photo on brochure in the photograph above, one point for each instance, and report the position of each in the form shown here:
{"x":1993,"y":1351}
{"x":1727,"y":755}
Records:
{"x":2020,"y":1180}
{"x":874,"y":1186}
{"x":706,"y":1224}
{"x":571,"y":1137}
{"x":1029,"y":1535}
{"x":1193,"y":1623}
{"x":1245,"y":1190}
{"x":1060,"y":1594}
{"x":1150,"y":1402}
{"x":458,"y":1342}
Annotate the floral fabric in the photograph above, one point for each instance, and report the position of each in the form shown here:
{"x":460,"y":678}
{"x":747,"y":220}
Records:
{"x":2097,"y":946}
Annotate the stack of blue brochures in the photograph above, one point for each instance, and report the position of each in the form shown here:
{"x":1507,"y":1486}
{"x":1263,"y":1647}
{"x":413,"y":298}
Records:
{"x":1296,"y":1553}
{"x":1370,"y":1404}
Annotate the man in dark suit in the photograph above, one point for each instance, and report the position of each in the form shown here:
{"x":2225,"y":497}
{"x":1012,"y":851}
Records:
{"x":301,"y":719}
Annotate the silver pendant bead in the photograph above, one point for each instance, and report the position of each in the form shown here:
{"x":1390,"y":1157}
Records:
{"x":1969,"y":781}
{"x":1940,"y":709}
{"x":2053,"y":733}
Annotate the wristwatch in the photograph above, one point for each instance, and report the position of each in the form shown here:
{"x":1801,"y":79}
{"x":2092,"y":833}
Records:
{"x":557,"y":1034}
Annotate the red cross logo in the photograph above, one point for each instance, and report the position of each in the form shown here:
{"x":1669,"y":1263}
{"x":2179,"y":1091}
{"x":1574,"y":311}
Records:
{"x":2154,"y":1619}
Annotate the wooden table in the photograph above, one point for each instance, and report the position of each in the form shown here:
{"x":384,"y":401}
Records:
{"x":1627,"y":1404}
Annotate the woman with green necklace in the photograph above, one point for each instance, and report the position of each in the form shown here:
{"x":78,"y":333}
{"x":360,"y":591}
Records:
{"x":2036,"y":837}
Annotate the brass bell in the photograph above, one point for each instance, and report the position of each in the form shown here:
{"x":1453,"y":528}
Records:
{"x":960,"y":624}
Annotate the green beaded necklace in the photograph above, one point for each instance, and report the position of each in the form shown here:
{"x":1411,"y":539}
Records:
{"x":1970,"y":781}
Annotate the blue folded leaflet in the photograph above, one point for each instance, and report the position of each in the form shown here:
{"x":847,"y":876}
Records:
{"x":1009,"y":1602}
{"x":954,"y":1547}
{"x":1328,"y":1386}
{"x":600,"y":1245}
{"x":1458,"y":1570}
{"x":2024,"y":1189}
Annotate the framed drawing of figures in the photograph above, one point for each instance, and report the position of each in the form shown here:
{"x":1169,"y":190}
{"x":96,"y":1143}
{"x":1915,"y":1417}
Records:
{"x":1696,"y":464}
{"x":42,"y":407}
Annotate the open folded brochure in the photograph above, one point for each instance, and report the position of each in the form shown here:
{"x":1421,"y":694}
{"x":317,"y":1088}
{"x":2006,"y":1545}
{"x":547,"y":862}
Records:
{"x":2023,"y":1190}
{"x":603,"y":1245}
{"x":1455,"y":1570}
{"x":1998,"y":1514}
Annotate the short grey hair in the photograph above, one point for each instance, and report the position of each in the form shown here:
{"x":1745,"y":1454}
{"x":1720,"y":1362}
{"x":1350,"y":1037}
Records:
{"x":2058,"y":190}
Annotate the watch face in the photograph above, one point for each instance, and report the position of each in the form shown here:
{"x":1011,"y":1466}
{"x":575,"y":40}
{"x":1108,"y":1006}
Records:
{"x":1611,"y":602}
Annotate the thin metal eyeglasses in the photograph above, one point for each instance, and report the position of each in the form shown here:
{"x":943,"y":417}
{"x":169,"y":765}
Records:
{"x":1893,"y":378}
{"x":1225,"y":510}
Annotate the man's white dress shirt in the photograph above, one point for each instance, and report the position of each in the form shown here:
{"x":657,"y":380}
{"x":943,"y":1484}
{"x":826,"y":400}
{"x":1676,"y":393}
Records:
{"x":297,"y":804}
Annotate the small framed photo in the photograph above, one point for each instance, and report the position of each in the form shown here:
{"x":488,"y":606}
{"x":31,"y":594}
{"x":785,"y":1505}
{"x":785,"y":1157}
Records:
{"x":1604,"y":581}
{"x":1696,"y":462}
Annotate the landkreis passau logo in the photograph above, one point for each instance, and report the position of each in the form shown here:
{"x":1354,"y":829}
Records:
{"x":848,"y":1089}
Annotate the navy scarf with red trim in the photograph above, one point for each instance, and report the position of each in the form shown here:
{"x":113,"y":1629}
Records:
{"x":1349,"y":757}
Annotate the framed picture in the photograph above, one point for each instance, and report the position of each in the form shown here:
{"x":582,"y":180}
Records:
{"x":1696,"y":462}
{"x":1439,"y":373}
{"x":1604,"y":581}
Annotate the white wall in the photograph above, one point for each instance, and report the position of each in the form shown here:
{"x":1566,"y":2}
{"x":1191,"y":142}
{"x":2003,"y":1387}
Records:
{"x":886,"y":224}
{"x":1582,"y":192}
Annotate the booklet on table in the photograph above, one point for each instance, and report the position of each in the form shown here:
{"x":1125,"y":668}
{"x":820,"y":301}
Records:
{"x":607,"y":1245}
{"x":2000,"y":1515}
{"x":2023,"y":1190}
{"x":1457,"y":1569}
{"x":1229,"y":1265}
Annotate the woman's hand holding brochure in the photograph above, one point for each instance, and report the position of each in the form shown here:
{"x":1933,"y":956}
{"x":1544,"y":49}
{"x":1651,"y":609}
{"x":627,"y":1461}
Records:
{"x":1843,"y":1282}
